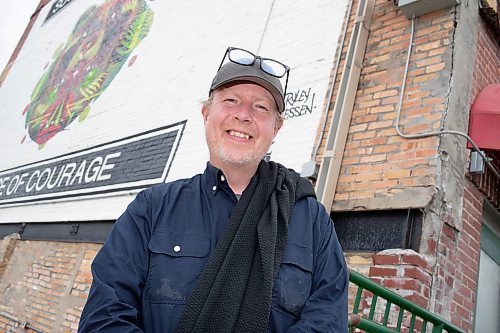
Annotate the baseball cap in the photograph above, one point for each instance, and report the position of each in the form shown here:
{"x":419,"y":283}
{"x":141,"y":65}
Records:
{"x":232,"y":72}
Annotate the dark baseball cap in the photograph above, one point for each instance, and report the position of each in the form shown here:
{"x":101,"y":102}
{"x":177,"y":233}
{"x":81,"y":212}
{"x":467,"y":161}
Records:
{"x":232,"y":72}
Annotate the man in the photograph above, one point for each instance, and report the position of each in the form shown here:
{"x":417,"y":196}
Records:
{"x":244,"y":247}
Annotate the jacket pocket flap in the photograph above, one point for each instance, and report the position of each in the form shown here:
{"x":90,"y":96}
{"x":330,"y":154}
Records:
{"x":299,"y":256}
{"x":179,"y":245}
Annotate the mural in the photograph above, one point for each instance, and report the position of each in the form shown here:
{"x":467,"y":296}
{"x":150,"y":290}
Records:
{"x":134,"y":73}
{"x":137,"y":161}
{"x":82,"y":68}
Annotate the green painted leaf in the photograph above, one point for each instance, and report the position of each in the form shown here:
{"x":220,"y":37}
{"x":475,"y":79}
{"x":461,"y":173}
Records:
{"x":84,"y":114}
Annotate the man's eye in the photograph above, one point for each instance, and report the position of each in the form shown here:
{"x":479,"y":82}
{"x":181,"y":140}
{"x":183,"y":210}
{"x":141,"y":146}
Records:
{"x":262,"y":107}
{"x":230,"y":100}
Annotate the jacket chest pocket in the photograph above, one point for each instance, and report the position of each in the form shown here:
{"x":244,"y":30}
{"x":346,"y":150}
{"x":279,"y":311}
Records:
{"x":294,"y":281}
{"x":176,"y":261}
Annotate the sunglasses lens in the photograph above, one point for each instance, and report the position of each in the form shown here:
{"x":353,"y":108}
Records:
{"x":273,"y":67}
{"x":241,"y":57}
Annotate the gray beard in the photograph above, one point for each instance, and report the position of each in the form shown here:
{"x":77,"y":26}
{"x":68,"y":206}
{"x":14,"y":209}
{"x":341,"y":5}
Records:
{"x":226,"y":158}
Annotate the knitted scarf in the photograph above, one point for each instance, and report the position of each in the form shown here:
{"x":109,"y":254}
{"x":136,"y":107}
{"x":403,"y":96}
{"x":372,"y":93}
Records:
{"x":234,"y":290}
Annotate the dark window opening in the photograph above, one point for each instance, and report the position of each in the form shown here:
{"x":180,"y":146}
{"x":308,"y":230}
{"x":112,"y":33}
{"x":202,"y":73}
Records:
{"x":374,"y":231}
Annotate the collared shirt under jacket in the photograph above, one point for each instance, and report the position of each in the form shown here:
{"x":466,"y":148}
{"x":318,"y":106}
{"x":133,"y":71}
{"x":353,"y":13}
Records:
{"x":143,"y":274}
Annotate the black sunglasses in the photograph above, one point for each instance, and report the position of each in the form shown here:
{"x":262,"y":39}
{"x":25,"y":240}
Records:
{"x":267,"y":65}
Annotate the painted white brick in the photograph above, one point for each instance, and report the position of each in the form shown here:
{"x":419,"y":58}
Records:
{"x":170,"y":77}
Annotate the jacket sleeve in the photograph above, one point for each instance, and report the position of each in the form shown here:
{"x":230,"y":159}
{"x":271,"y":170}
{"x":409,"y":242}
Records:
{"x":326,"y":308}
{"x":119,"y":271}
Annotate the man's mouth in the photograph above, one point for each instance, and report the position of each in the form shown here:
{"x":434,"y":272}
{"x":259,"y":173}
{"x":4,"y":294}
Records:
{"x":240,"y":135}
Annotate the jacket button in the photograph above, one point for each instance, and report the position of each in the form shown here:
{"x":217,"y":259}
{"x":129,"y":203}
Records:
{"x":214,"y":188}
{"x":177,"y":248}
{"x":222,"y":178}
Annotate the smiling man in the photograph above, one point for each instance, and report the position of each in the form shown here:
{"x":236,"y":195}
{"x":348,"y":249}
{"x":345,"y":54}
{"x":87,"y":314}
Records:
{"x":243,"y":247}
{"x":241,"y":121}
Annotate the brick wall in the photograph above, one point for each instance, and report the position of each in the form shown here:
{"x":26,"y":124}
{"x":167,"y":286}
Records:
{"x":487,"y":68}
{"x":378,"y":165}
{"x":361,"y":262}
{"x":406,"y":272}
{"x":46,"y":284}
{"x":459,"y":248}
{"x":457,"y":263}
{"x":443,"y":280}
{"x":381,"y":170}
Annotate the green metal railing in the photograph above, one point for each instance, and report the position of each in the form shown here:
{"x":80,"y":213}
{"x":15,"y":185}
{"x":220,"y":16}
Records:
{"x":371,"y":326}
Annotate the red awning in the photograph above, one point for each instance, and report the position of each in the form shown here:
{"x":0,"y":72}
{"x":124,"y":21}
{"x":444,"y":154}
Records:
{"x":484,"y":127}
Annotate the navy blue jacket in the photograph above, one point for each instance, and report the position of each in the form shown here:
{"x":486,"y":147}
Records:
{"x":156,"y":250}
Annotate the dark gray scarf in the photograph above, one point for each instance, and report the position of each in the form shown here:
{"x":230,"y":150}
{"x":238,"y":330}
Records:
{"x":234,"y":290}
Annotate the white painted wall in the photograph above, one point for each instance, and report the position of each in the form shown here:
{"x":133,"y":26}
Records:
{"x":170,"y":77}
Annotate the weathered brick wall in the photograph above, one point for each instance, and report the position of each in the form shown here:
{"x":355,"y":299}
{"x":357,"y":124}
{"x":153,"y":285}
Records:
{"x":457,"y":263}
{"x":404,"y":270}
{"x":409,"y":274}
{"x":379,"y":168}
{"x":361,"y":262}
{"x":46,"y":284}
{"x":459,"y":244}
{"x":443,"y":280}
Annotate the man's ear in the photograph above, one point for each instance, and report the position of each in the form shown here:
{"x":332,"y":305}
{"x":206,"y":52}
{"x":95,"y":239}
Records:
{"x":205,"y":110}
{"x":277,"y":126}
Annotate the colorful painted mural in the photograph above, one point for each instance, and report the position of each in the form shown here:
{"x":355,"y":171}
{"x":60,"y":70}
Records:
{"x":82,"y":68}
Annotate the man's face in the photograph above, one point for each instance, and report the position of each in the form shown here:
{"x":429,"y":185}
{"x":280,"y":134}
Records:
{"x":240,"y":125}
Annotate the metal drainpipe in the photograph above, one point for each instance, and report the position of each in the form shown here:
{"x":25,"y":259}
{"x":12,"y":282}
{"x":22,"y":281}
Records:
{"x":330,"y":91}
{"x":337,"y":136}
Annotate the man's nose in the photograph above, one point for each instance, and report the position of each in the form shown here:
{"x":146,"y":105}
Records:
{"x":244,"y":112}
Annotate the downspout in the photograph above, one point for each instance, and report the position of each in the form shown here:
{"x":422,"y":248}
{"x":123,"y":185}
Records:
{"x":329,"y":97}
{"x":344,"y":103}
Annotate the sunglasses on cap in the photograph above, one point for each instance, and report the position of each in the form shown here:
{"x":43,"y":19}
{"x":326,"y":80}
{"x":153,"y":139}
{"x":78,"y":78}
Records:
{"x":267,"y":65}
